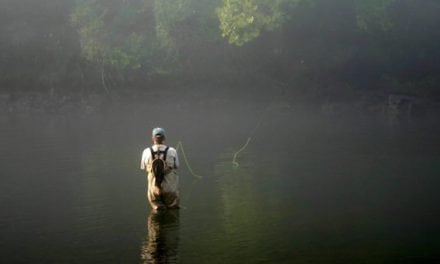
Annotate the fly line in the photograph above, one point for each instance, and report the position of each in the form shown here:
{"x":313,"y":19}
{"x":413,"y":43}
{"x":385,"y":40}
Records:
{"x":180,"y":146}
{"x":251,"y":134}
{"x":253,"y":131}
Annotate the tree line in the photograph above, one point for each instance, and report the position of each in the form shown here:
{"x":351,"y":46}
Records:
{"x":334,"y":49}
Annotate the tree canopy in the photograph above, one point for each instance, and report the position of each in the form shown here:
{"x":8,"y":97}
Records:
{"x":359,"y":43}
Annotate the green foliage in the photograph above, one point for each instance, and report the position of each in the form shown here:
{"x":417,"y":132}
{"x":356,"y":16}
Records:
{"x":167,"y":14}
{"x":349,"y":41}
{"x":121,"y":34}
{"x":372,"y":14}
{"x":90,"y":27}
{"x":105,"y":35}
{"x":138,"y":34}
{"x":243,"y":20}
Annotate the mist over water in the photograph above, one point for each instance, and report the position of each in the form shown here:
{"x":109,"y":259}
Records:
{"x":307,"y":130}
{"x":306,"y":188}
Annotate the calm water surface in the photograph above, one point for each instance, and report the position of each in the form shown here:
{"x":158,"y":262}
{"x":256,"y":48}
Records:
{"x":305,"y":190}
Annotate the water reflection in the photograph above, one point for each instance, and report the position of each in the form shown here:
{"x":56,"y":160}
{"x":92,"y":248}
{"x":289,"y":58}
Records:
{"x":161,"y":243}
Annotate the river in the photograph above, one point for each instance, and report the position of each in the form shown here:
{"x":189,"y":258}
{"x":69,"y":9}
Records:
{"x":273,"y":185}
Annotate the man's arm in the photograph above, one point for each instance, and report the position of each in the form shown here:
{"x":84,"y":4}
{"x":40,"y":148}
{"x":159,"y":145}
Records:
{"x":176,"y":159}
{"x":144,"y":158}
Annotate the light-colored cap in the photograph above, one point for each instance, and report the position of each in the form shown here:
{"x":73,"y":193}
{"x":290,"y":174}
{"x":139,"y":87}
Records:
{"x":158,"y":132}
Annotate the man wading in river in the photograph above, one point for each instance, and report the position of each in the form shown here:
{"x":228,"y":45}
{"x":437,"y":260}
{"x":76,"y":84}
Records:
{"x":161,"y":163}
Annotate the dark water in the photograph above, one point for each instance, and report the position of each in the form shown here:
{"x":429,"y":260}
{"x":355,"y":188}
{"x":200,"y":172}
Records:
{"x":306,"y":190}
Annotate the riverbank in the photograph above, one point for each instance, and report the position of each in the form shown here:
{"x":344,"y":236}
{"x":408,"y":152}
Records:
{"x":385,"y":108}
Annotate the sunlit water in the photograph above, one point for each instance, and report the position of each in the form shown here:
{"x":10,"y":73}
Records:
{"x":303,"y":190}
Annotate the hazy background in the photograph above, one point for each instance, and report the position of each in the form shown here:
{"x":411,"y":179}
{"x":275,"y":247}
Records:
{"x":326,"y":53}
{"x":334,"y":104}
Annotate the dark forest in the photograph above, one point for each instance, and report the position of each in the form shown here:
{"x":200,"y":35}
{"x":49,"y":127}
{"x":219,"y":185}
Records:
{"x":364,"y":55}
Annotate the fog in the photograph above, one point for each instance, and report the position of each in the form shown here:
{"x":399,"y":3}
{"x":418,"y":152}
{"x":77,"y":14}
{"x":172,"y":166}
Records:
{"x":306,"y":130}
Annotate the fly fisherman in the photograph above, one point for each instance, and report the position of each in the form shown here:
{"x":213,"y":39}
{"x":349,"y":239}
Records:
{"x":161,"y":162}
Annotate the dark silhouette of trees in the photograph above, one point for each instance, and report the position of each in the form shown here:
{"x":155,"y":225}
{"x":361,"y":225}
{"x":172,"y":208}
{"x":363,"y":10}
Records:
{"x":343,"y":49}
